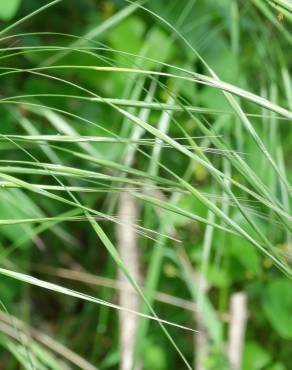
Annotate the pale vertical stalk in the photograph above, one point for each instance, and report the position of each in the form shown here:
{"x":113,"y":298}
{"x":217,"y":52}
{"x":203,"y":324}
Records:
{"x":201,"y":338}
{"x":127,"y":246}
{"x":163,"y":126}
{"x":237,"y":326}
{"x":158,"y":250}
{"x":200,"y":341}
{"x":285,"y":199}
{"x":136,"y":133}
{"x":234,"y":32}
{"x":287,"y":85}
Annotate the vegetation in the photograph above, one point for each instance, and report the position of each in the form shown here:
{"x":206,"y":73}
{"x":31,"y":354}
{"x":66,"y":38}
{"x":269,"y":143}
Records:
{"x":145,"y":184}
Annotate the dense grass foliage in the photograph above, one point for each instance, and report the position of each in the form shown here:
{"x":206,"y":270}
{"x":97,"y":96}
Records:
{"x":145,"y":184}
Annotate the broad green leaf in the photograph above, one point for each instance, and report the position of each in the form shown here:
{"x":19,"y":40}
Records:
{"x":246,"y":255}
{"x":154,"y":357}
{"x":277,"y":306}
{"x":255,"y":357}
{"x":277,"y":366}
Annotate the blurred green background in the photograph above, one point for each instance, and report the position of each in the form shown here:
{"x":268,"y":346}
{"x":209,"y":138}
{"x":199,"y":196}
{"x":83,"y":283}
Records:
{"x":247,"y":44}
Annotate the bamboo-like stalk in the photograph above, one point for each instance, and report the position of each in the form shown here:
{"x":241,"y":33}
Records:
{"x":237,"y":326}
{"x":127,"y":247}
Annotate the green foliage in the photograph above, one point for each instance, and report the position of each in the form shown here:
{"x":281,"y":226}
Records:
{"x":255,"y":357}
{"x":186,"y":107}
{"x":277,"y":305}
{"x":154,"y":357}
{"x":8,"y":9}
